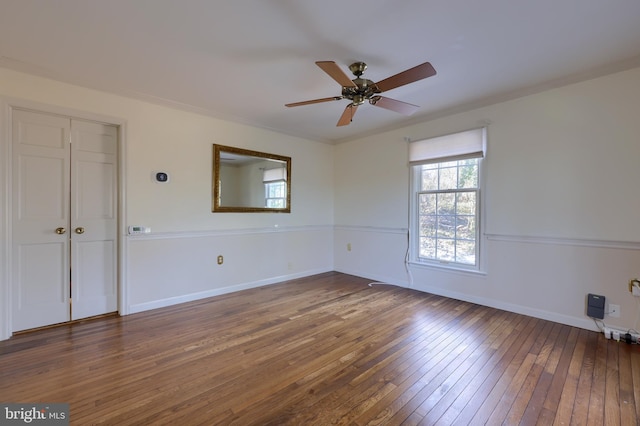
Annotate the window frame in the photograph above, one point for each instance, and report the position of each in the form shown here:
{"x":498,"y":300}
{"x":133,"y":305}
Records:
{"x":266,"y":193}
{"x":413,"y":257}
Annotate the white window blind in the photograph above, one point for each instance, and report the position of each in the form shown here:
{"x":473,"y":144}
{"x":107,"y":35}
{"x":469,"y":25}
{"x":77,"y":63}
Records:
{"x":274,"y":175}
{"x":453,"y":147}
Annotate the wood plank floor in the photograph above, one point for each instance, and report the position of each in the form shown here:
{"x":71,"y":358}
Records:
{"x":321,"y":350}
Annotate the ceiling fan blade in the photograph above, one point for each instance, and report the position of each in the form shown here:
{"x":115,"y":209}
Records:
{"x":314,"y":101}
{"x":394,"y":105}
{"x":336,"y":73}
{"x":347,"y":115}
{"x":405,"y":77}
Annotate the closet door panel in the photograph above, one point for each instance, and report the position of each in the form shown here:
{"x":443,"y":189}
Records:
{"x":93,"y":219}
{"x":40,"y":219}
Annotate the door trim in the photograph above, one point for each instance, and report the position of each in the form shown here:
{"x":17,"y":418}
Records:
{"x":7,"y":105}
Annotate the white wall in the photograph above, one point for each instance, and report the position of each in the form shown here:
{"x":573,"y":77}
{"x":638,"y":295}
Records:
{"x":177,"y":261}
{"x":561,"y":205}
{"x":174,"y":269}
{"x":230,"y":190}
{"x":561,"y":202}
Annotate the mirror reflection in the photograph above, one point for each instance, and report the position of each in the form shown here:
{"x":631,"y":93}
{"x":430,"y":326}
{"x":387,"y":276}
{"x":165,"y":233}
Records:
{"x":250,"y":181}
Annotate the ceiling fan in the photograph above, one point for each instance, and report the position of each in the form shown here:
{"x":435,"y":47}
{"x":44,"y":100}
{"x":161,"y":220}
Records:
{"x":360,"y":89}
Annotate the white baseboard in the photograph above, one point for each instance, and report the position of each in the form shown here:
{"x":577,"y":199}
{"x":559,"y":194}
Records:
{"x":162,"y":303}
{"x":585,"y":323}
{"x":374,"y":277}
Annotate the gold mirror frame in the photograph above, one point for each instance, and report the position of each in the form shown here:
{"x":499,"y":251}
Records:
{"x":258,"y":156}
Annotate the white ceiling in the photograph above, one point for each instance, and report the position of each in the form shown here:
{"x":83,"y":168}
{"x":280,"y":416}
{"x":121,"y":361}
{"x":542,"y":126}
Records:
{"x":242,"y":60}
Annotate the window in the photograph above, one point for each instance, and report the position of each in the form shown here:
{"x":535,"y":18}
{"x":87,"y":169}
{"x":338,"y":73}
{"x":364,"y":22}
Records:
{"x":275,"y":194}
{"x":446,"y":199}
{"x":275,"y":188}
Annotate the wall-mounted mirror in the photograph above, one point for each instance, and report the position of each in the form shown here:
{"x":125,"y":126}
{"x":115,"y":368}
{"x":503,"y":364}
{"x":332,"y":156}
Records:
{"x":250,"y":181}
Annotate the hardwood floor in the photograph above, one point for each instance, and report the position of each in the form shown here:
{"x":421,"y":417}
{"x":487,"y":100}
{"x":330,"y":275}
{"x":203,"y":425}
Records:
{"x":327,"y":349}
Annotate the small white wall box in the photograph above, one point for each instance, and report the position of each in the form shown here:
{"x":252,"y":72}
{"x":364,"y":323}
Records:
{"x":595,"y":306}
{"x":136,"y":230}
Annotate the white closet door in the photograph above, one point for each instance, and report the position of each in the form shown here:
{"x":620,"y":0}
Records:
{"x":64,"y":219}
{"x":93,"y":219}
{"x":40,"y":219}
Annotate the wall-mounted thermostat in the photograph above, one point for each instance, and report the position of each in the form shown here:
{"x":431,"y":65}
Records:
{"x":160,"y":177}
{"x":136,"y":230}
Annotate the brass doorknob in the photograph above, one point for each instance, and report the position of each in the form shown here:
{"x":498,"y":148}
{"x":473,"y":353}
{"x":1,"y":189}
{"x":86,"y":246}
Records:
{"x":79,"y":230}
{"x":60,"y":231}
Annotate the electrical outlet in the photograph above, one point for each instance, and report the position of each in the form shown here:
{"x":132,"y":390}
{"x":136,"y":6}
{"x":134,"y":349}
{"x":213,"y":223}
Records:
{"x":348,"y":246}
{"x":614,"y":310}
{"x":220,"y":260}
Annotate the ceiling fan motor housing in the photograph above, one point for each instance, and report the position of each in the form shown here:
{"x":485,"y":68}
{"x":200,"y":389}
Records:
{"x":364,"y":89}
